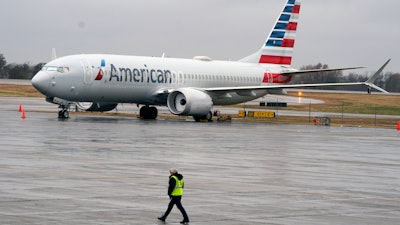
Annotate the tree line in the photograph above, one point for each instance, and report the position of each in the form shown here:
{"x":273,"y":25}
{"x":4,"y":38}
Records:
{"x":389,"y":81}
{"x":18,"y":71}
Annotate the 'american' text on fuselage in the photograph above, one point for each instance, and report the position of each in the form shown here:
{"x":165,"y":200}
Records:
{"x":142,"y":75}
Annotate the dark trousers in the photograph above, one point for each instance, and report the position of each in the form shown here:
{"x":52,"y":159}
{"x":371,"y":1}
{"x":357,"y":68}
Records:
{"x":176,"y":200}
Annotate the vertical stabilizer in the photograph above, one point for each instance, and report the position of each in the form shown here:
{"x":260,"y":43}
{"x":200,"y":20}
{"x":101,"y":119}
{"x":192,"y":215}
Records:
{"x":278,"y":48}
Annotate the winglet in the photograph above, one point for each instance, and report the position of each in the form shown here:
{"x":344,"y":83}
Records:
{"x":371,"y":80}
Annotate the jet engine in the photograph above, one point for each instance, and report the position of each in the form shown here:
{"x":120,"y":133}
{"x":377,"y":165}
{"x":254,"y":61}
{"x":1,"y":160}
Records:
{"x":95,"y":106}
{"x":189,"y":102}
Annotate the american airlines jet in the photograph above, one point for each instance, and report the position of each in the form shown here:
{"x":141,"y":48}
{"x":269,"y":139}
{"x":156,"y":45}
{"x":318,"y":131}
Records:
{"x":191,"y":87}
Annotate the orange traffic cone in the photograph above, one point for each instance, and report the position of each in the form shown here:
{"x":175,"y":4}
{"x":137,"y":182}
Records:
{"x":398,"y":125}
{"x":20,"y":109}
{"x":23,"y":115}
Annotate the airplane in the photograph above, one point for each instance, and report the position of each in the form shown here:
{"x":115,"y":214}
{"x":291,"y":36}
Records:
{"x":190,"y":87}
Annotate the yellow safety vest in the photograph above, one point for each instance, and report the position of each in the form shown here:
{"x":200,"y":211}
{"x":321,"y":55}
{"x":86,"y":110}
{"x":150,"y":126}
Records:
{"x":178,"y":189}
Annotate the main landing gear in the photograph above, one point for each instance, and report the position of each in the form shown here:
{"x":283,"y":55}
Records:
{"x":207,"y":117}
{"x":147,"y":112}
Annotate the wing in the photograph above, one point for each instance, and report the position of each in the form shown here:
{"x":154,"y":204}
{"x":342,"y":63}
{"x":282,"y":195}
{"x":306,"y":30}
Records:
{"x":298,"y":72}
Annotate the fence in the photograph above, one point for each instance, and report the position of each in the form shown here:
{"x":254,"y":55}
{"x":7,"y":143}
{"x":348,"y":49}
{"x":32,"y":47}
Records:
{"x":334,"y":114}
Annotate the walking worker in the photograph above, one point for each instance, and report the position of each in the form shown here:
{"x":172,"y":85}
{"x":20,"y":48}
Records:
{"x":175,"y":192}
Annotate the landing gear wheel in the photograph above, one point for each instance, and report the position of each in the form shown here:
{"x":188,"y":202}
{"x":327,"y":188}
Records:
{"x":197,"y":118}
{"x":63,"y":114}
{"x":147,"y":112}
{"x":207,"y":117}
{"x":153,"y":113}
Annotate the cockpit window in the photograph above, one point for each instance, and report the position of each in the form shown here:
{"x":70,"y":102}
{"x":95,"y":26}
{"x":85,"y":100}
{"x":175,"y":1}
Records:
{"x":61,"y":69}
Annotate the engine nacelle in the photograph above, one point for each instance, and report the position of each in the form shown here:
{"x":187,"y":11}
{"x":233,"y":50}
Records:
{"x":189,"y":102}
{"x":96,"y":106}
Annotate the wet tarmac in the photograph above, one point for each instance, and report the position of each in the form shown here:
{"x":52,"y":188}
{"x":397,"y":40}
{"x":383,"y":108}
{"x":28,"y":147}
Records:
{"x":91,"y":169}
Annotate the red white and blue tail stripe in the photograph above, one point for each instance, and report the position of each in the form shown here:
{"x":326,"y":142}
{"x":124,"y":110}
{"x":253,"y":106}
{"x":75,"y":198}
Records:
{"x":278,"y":48}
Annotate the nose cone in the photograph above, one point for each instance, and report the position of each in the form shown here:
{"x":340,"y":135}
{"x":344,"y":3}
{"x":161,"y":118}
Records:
{"x":41,"y":81}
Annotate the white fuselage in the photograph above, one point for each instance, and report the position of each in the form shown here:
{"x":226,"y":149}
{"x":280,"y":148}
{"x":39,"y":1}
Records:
{"x":134,"y":79}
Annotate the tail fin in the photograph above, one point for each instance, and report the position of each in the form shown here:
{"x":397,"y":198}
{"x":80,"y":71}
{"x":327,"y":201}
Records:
{"x":278,"y":48}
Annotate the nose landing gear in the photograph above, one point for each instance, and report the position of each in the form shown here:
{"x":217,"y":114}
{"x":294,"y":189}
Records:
{"x":63,"y":112}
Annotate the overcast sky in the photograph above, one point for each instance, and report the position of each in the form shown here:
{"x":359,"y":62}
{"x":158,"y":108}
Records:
{"x":336,"y":32}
